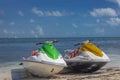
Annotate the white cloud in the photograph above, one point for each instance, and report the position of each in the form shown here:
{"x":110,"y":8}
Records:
{"x":32,"y":21}
{"x":36,"y":36}
{"x":74,"y":25}
{"x":40,"y":30}
{"x":54,"y":13}
{"x":98,"y":20}
{"x":38,"y":12}
{"x":33,"y":32}
{"x":37,"y":32}
{"x":57,"y":24}
{"x":5,"y":31}
{"x":115,"y":1}
{"x":99,"y":30}
{"x":20,"y":13}
{"x":12,"y":32}
{"x":103,"y":12}
{"x":46,"y":13}
{"x":114,"y":21}
{"x":12,"y":23}
{"x":1,"y":22}
{"x":2,"y":12}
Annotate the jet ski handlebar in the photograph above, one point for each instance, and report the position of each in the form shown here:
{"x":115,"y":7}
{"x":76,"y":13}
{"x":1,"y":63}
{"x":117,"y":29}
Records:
{"x":53,"y":41}
{"x":84,"y":42}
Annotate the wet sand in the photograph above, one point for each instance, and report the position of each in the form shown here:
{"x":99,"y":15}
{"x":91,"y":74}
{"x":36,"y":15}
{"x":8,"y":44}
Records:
{"x":102,"y":74}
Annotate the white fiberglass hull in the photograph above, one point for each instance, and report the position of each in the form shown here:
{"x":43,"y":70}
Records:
{"x":87,"y":64}
{"x":41,"y":69}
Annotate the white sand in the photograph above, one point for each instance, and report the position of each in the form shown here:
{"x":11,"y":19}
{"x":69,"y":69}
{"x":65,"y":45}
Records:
{"x":18,"y":73}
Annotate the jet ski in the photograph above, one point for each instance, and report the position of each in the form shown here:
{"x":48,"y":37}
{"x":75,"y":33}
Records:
{"x":45,"y":61}
{"x":87,"y":58}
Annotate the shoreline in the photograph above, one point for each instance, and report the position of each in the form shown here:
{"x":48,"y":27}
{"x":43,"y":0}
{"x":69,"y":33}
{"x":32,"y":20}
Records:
{"x":112,"y":73}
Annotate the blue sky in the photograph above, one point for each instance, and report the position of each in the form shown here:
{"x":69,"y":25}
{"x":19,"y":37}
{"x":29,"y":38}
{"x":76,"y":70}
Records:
{"x":59,"y":18}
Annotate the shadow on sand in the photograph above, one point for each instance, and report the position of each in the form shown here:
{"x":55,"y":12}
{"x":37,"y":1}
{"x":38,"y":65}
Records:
{"x":22,"y":74}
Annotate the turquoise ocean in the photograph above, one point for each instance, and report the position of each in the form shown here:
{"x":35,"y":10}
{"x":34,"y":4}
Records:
{"x":13,"y":49}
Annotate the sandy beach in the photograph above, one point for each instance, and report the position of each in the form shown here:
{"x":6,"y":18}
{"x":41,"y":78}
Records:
{"x":12,"y":54}
{"x":112,"y":73}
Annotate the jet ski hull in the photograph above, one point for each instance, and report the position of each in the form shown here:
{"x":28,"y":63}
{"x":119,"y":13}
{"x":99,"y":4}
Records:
{"x":87,"y":58}
{"x":85,"y":67}
{"x":41,"y":69}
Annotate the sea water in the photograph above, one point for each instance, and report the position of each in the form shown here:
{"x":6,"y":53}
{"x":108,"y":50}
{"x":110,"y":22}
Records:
{"x":13,"y":49}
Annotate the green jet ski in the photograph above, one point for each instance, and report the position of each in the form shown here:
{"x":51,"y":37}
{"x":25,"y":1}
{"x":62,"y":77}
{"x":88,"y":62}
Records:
{"x":45,"y":61}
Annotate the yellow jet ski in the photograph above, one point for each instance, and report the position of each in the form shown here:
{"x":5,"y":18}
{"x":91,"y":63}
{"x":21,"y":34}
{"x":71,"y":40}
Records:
{"x":87,"y":58}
